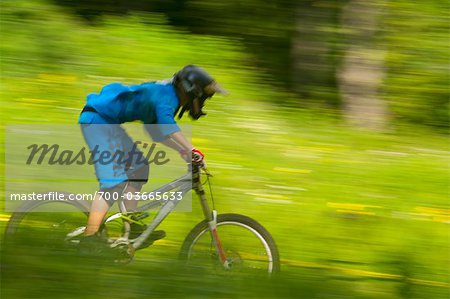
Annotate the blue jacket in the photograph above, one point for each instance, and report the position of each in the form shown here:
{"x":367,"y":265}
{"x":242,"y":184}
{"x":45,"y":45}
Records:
{"x":151,"y":103}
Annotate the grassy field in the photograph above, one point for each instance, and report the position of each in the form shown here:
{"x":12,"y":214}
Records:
{"x":355,"y":214}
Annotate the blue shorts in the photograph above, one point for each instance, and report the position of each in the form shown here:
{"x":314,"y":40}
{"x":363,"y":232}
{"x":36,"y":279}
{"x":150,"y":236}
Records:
{"x":113,"y":153}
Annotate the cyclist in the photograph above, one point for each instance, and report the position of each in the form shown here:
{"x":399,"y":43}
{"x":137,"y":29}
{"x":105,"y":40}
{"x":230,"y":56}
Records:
{"x":155,"y":103}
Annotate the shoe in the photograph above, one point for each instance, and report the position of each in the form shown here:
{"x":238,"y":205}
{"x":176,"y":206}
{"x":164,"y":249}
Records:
{"x":93,"y":245}
{"x":154,"y":236}
{"x":137,"y":229}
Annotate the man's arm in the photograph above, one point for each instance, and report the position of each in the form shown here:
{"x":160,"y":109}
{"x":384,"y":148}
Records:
{"x":178,"y":139}
{"x":178,"y":142}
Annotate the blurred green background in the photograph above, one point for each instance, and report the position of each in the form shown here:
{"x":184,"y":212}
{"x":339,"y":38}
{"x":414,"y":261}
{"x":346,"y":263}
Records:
{"x":334,"y":136}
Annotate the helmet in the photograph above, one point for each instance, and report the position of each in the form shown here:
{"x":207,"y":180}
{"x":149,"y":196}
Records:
{"x":198,"y":85}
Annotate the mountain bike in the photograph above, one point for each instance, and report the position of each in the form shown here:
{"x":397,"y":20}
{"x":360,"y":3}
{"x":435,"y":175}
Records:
{"x":231,"y":242}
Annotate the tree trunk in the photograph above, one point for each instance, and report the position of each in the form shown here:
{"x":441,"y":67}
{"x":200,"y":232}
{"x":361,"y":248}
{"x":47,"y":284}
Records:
{"x":312,"y":63}
{"x":362,"y":70}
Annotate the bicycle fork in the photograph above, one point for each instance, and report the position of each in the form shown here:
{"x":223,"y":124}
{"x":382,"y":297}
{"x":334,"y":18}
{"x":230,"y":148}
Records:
{"x":219,"y":248}
{"x":211,"y":217}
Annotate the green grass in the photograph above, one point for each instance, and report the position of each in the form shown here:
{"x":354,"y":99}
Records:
{"x":355,"y":214}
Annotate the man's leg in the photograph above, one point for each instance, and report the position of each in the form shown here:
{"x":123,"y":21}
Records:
{"x":137,"y":171}
{"x":103,"y":137}
{"x":131,"y":204}
{"x":137,"y":179}
{"x":100,"y":207}
{"x":97,"y":212}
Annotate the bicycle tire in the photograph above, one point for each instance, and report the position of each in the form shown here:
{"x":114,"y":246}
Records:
{"x":34,"y":256}
{"x":14,"y":231}
{"x":238,"y":220}
{"x":29,"y":207}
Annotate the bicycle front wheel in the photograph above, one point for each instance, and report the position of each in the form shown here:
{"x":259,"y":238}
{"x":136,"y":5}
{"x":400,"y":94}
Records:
{"x":248,"y":246}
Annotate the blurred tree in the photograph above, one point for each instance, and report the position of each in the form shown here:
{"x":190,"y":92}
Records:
{"x":314,"y":50}
{"x":350,"y":54}
{"x":264,"y":27}
{"x":416,"y":36}
{"x":362,"y":71}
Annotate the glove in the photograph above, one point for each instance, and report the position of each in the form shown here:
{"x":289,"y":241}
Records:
{"x":197,"y":156}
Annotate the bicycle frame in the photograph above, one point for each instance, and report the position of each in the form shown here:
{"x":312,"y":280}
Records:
{"x":185,"y":184}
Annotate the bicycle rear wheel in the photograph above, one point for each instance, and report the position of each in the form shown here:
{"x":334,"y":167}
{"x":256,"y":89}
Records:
{"x":35,"y":236}
{"x":249,"y":247}
{"x":46,"y":220}
{"x":37,"y":257}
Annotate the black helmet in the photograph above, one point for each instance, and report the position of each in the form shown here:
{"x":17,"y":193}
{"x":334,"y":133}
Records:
{"x":198,"y":86}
